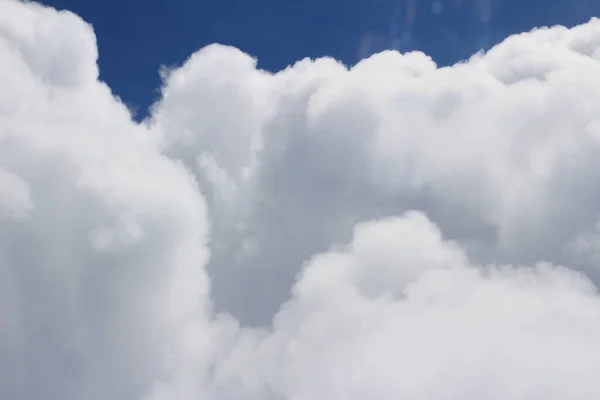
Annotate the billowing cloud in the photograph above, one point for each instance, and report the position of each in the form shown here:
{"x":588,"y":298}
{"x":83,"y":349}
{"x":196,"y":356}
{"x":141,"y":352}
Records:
{"x":390,"y":230}
{"x":499,"y":152}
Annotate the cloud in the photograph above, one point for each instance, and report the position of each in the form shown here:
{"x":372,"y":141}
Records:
{"x":103,"y":263}
{"x":388,"y":230}
{"x":497,"y":151}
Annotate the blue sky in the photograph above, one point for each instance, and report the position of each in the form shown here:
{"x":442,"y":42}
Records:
{"x":136,"y":37}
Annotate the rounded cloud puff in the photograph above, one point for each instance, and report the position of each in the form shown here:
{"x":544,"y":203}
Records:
{"x":390,"y":230}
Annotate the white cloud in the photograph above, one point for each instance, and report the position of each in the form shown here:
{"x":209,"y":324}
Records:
{"x":394,"y":229}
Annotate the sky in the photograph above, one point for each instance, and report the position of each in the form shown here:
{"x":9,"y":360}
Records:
{"x":382,"y":230}
{"x":136,"y":37}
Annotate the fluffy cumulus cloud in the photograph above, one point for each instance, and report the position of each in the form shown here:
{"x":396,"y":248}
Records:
{"x":390,"y":230}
